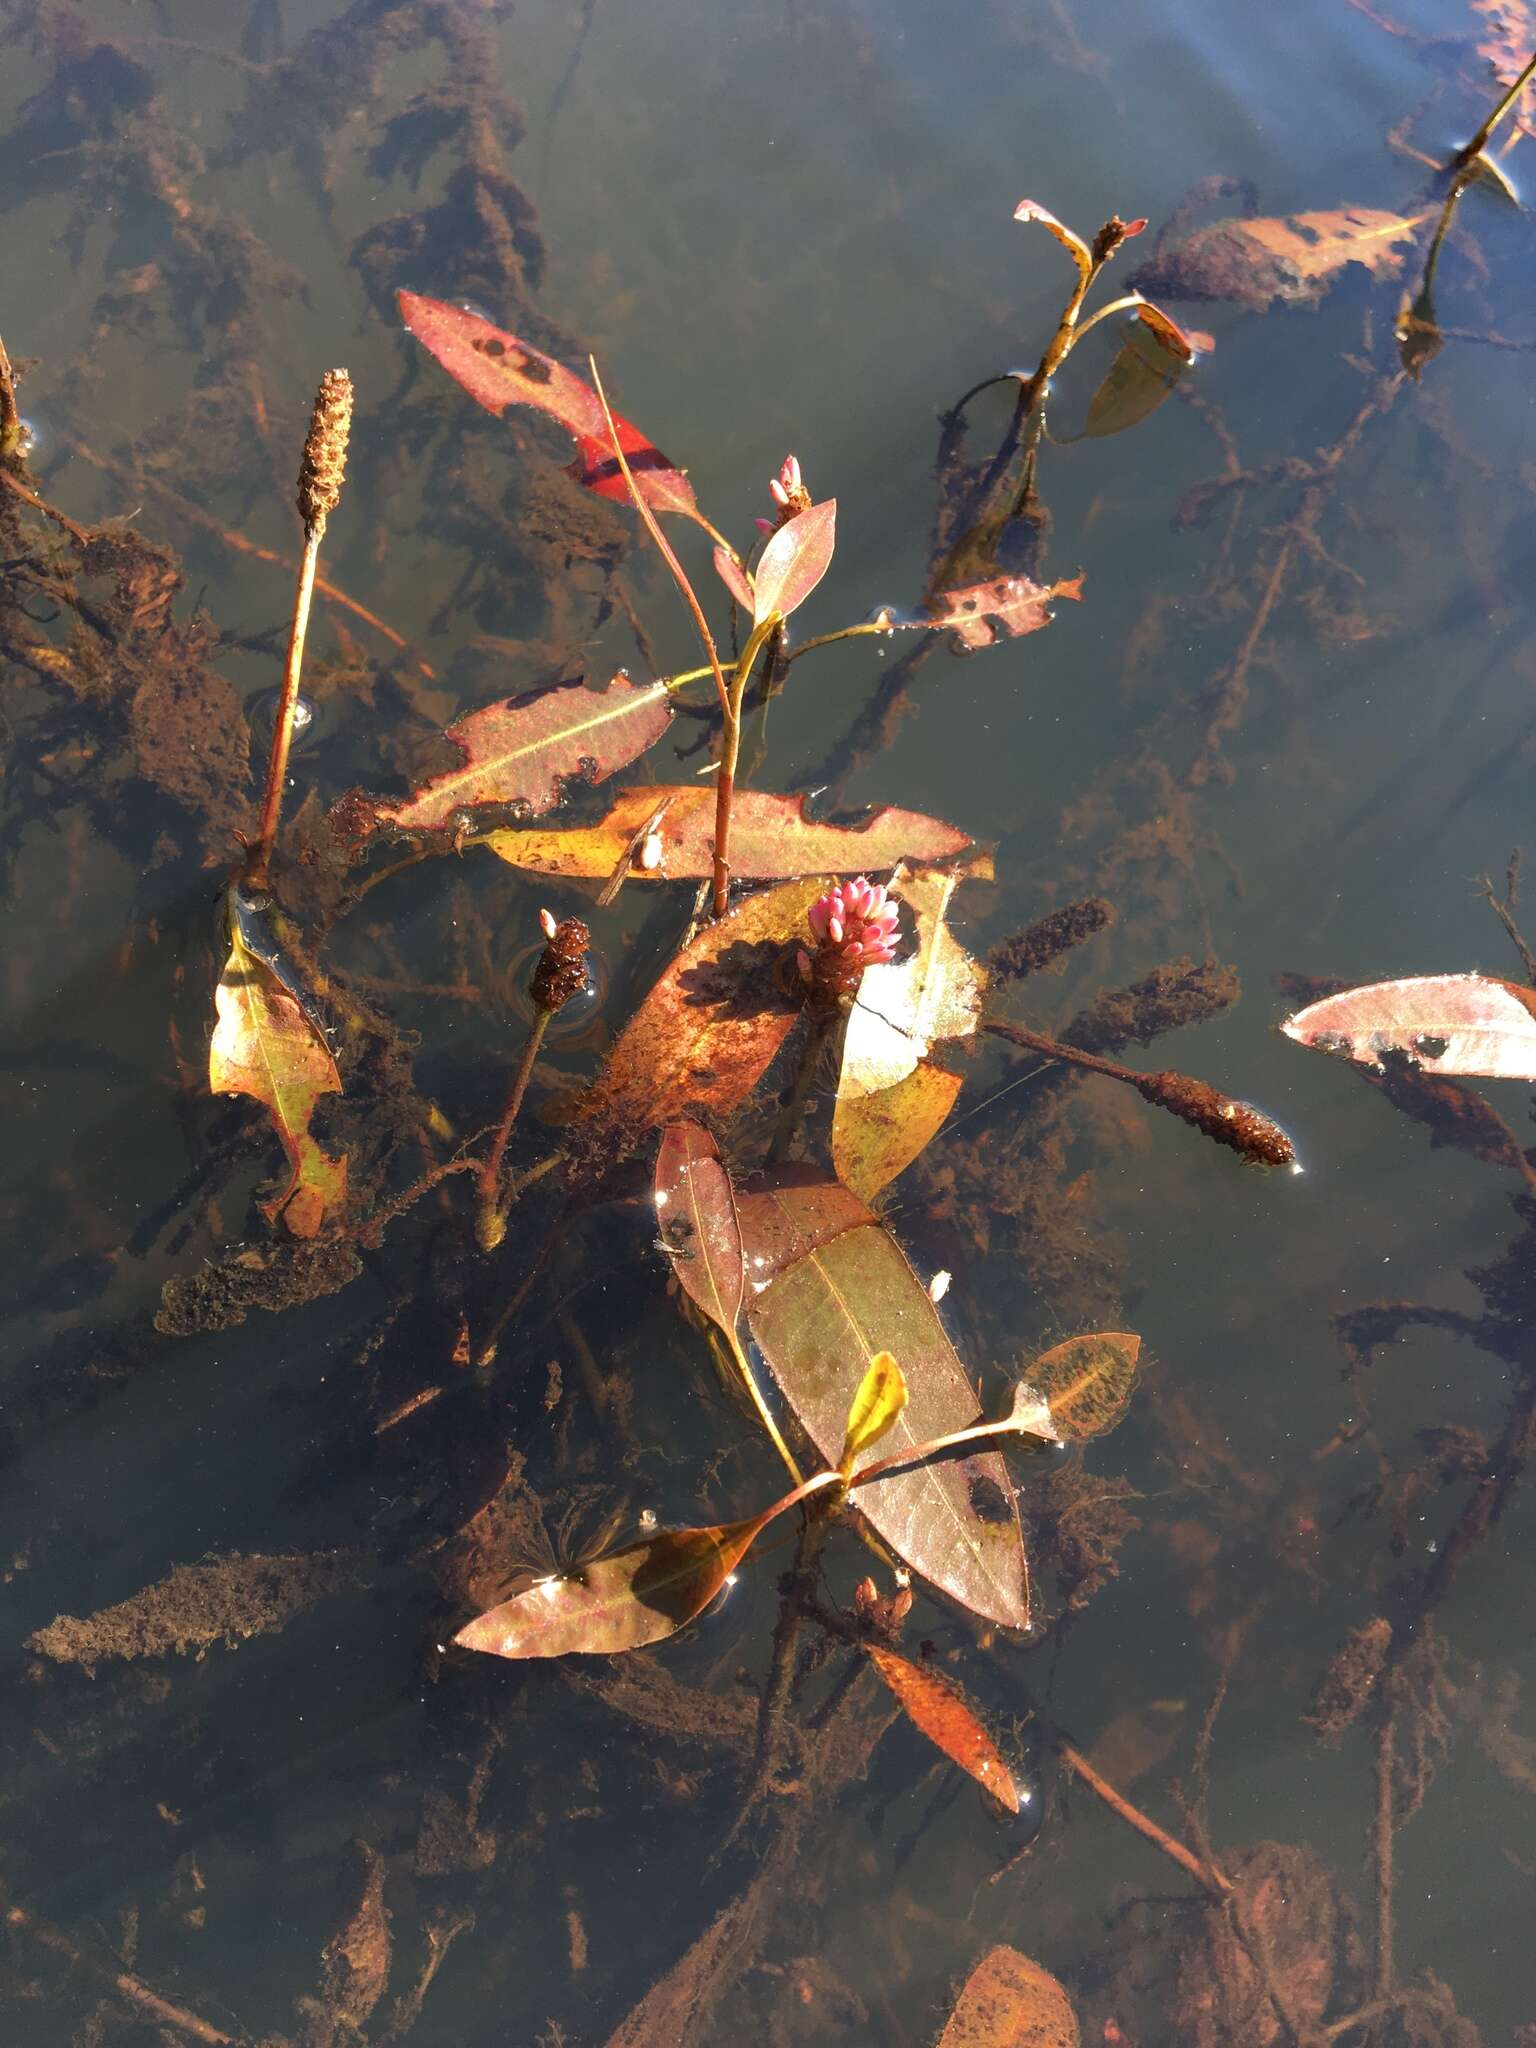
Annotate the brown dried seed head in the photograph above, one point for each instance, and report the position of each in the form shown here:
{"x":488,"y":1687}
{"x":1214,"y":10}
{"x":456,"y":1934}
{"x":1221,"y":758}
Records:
{"x":325,"y":450}
{"x":560,"y":972}
{"x":1254,"y":1136}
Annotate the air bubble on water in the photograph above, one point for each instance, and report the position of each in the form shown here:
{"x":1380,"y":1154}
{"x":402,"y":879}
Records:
{"x":572,"y":1017}
{"x":33,"y":437}
{"x":476,"y":311}
{"x":519,"y":810}
{"x":307,"y":720}
{"x":461,"y":822}
{"x":588,"y":768}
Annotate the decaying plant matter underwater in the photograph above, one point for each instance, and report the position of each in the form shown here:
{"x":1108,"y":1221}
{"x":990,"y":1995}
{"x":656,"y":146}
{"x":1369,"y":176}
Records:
{"x":787,"y":1068}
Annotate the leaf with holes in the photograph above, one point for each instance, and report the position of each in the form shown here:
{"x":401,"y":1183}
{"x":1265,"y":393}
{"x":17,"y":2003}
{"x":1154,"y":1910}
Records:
{"x":1085,"y":1384}
{"x":1007,"y":607}
{"x":1290,"y":262}
{"x":641,"y":1594}
{"x":696,"y":1215}
{"x":794,"y":561}
{"x":498,"y":370}
{"x":267,"y":1045}
{"x":828,"y":1287}
{"x":772,"y":839}
{"x":941,"y":1711}
{"x":1010,"y":2002}
{"x":1445,"y":1023}
{"x":518,"y":756}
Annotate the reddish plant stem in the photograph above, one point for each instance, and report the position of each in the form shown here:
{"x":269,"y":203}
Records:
{"x":282,"y":731}
{"x":1204,"y":1873}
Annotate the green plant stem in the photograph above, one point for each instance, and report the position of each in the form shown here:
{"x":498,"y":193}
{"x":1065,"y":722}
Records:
{"x":730,"y":753}
{"x":1505,"y":107}
{"x":282,"y":732}
{"x":491,"y":1221}
{"x":1120,"y":305}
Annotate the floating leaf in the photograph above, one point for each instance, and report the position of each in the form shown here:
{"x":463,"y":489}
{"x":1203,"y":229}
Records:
{"x":498,"y":370}
{"x":1007,"y":607}
{"x":828,"y":1288}
{"x":881,"y":1397}
{"x":1074,"y":245}
{"x":519,"y":753}
{"x":640,"y":1594}
{"x":1291,"y":261}
{"x":1146,"y":368}
{"x":1086,"y":1383}
{"x":941,"y":1711}
{"x":704,"y":1035}
{"x":794,"y":562}
{"x":1446,"y":1023}
{"x":771,"y":839}
{"x":696,"y":1213}
{"x":265,"y":1045}
{"x":884,"y":1116}
{"x":876,"y":1137}
{"x":1010,"y":2002}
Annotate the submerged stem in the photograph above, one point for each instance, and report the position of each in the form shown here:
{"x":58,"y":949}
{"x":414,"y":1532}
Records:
{"x":491,"y":1221}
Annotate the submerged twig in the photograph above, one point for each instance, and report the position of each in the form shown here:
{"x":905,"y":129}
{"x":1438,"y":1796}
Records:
{"x":1204,"y":1873}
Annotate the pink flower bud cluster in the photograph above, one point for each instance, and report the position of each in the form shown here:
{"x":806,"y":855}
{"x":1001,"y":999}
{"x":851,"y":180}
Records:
{"x":854,"y":926}
{"x":788,"y":492}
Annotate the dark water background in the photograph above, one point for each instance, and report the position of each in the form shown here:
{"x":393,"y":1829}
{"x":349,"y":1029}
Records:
{"x":778,"y":227}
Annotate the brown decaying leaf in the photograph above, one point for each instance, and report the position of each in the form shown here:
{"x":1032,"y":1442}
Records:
{"x":890,"y":1101}
{"x":771,"y":838}
{"x":696,"y":1213}
{"x":829,"y":1287}
{"x":1006,"y":608}
{"x":519,"y":753}
{"x":794,"y":561}
{"x":1290,"y":261}
{"x":223,"y":1600}
{"x":940,"y":1709}
{"x":704,"y":1035}
{"x":1446,"y":1023}
{"x":1087,"y":1382}
{"x":1010,"y":2002}
{"x":265,"y":1046}
{"x":498,"y":370}
{"x":640,"y":1594}
{"x":1508,"y":37}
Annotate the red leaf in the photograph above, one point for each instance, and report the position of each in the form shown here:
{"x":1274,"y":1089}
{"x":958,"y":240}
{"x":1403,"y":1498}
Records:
{"x":730,"y":572}
{"x":519,"y":753}
{"x":498,"y":370}
{"x":944,"y":1715}
{"x":1445,"y":1023}
{"x":794,"y":561}
{"x":696,"y":1214}
{"x":984,"y":613}
{"x":771,"y":838}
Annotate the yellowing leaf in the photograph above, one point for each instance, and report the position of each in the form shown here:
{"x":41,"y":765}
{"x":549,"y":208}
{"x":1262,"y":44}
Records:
{"x":1010,"y":2002}
{"x":264,"y":1045}
{"x":885,"y":1114}
{"x":881,"y":1397}
{"x":1086,"y":1384}
{"x":940,"y":1709}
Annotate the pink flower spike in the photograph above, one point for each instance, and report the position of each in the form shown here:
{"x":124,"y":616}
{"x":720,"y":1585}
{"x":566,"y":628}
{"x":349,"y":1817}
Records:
{"x":835,"y":930}
{"x":765,"y":526}
{"x":789,"y":475}
{"x":547,"y":924}
{"x":777,"y":492}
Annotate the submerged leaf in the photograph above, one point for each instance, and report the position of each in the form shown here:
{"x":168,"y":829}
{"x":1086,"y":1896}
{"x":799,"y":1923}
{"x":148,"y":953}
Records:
{"x":640,"y":1594}
{"x":1290,"y":261}
{"x":696,"y":1214}
{"x":1006,"y":607}
{"x":518,"y":755}
{"x":1445,"y":1023}
{"x":704,"y":1035}
{"x":941,"y":1711}
{"x":1010,"y":2002}
{"x":1086,"y":1383}
{"x":794,"y":561}
{"x":498,"y":370}
{"x":268,"y":1045}
{"x":1147,"y":366}
{"x":881,"y":1397}
{"x":771,"y":839}
{"x":828,"y":1288}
